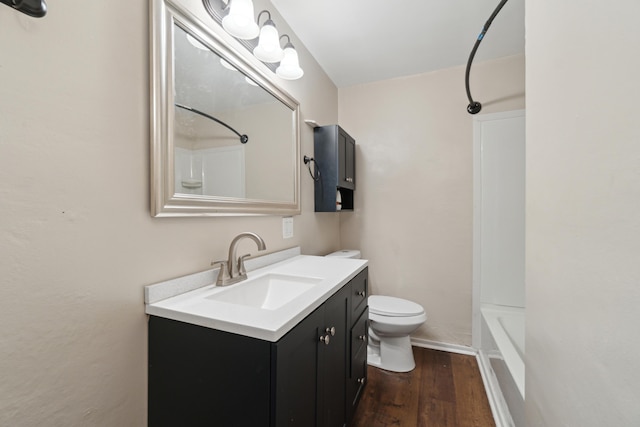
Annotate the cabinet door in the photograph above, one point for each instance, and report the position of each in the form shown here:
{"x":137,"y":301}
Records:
{"x":346,"y":160}
{"x":201,"y":377}
{"x":295,"y":372}
{"x":332,"y":360}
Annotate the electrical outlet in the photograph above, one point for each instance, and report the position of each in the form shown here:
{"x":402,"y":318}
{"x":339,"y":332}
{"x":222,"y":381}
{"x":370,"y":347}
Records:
{"x":287,"y":227}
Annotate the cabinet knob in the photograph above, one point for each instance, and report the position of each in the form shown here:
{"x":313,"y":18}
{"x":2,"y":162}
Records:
{"x":325,"y":339}
{"x":349,"y":179}
{"x":362,"y":337}
{"x":331,"y":330}
{"x":362,"y":380}
{"x":361,"y":293}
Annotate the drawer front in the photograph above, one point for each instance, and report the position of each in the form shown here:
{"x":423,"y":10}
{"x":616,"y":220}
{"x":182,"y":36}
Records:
{"x":359,"y":334}
{"x":356,"y":382}
{"x":359,"y":377}
{"x":359,"y":293}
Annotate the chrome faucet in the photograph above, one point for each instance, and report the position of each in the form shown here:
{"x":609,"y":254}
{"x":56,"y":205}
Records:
{"x":232,"y":270}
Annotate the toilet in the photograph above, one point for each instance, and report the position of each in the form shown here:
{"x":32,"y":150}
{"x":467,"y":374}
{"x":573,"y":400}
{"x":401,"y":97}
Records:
{"x":391,"y":321}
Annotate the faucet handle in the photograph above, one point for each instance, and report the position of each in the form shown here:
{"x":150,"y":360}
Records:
{"x":241,"y":268}
{"x":223,"y":274}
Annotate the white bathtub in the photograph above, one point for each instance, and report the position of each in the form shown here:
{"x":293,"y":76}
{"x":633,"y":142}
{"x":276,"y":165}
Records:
{"x":502,"y":349}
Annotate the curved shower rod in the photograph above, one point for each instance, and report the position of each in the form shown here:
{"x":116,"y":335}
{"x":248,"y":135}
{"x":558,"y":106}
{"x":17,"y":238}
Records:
{"x":34,"y":8}
{"x":243,"y":138}
{"x":474,"y":107}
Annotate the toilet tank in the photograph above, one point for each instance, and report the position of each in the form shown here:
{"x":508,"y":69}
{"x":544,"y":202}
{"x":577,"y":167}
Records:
{"x":346,"y":253}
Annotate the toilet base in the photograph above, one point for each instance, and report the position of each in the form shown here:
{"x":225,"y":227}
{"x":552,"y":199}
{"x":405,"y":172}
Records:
{"x":391,"y":353}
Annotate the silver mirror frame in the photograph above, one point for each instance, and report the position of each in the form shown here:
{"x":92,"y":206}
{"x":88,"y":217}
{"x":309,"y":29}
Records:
{"x":165,"y":202}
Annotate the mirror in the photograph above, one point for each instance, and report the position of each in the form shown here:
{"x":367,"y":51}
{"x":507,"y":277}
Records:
{"x":225,"y":139}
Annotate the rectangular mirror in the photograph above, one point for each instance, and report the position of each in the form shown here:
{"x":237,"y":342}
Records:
{"x":225,"y":138}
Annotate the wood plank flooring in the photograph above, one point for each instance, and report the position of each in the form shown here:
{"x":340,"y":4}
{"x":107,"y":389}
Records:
{"x":445,"y":390}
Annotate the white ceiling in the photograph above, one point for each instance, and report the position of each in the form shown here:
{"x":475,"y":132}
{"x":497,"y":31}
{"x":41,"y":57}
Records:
{"x":360,"y":41}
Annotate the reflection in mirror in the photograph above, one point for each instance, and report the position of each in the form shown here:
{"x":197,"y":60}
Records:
{"x":230,"y":145}
{"x":209,"y":157}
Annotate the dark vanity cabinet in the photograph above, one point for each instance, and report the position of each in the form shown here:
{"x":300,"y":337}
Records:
{"x":335,"y":156}
{"x":357,"y":347}
{"x":310,"y":368}
{"x":312,"y":376}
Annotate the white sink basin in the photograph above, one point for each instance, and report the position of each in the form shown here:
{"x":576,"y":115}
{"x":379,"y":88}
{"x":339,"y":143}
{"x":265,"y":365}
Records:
{"x":268,"y":292}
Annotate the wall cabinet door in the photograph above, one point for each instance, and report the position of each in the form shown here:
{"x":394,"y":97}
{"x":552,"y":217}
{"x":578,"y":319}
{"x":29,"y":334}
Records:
{"x":335,"y":156}
{"x":346,"y":160}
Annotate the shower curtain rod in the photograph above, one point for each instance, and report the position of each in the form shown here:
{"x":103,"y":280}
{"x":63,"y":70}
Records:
{"x":243,"y":138}
{"x":33,"y":8}
{"x":474,"y":107}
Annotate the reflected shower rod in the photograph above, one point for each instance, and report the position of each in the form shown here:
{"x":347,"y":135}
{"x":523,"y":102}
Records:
{"x":243,"y":138}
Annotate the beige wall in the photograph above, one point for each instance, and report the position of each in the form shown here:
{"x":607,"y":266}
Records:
{"x":77,"y":243}
{"x":583,"y":226}
{"x":414,"y":212}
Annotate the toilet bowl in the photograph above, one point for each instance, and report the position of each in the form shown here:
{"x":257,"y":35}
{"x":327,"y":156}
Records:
{"x":391,"y":321}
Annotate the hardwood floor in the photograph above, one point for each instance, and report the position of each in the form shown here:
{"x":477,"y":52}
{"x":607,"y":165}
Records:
{"x":445,"y":390}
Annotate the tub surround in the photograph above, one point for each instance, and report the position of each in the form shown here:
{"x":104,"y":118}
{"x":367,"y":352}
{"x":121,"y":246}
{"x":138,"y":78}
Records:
{"x":501,"y":361}
{"x":188,"y":299}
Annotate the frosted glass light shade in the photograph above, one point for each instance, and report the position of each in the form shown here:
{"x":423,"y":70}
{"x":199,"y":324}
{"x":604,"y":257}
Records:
{"x":195,"y":42}
{"x":289,"y":68}
{"x":268,"y":48}
{"x":226,"y":65}
{"x":239,"y":22}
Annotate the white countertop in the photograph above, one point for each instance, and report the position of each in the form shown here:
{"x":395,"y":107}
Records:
{"x":194,"y":307}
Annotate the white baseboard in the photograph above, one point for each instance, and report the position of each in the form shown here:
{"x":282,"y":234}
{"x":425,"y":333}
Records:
{"x":451,"y":348}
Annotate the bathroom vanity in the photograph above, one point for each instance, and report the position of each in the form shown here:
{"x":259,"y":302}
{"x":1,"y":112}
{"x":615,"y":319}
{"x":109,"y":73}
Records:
{"x":309,"y":370}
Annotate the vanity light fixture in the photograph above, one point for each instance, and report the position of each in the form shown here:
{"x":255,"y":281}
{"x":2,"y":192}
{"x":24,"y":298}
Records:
{"x":226,"y":65}
{"x":196,"y":43}
{"x":239,"y":21}
{"x":251,"y":82}
{"x":289,"y":68}
{"x":268,"y":48}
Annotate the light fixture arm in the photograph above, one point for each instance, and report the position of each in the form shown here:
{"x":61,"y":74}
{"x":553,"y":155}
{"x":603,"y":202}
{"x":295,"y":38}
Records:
{"x":268,"y":16}
{"x":243,"y":138}
{"x":288,"y":38}
{"x":474,"y":107}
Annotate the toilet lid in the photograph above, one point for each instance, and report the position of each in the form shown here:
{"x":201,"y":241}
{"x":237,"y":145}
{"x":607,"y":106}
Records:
{"x":345,"y":253}
{"x":392,"y":306}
